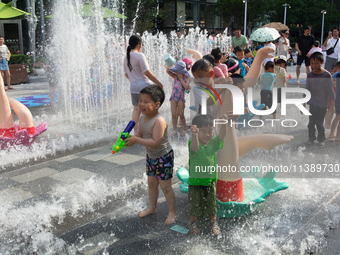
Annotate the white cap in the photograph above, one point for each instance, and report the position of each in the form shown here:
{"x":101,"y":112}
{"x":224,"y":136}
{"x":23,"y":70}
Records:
{"x":283,"y":58}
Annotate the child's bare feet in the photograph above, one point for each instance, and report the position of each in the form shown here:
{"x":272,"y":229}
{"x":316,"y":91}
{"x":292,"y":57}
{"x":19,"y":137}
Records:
{"x":171,"y":218}
{"x":215,"y":229}
{"x":193,"y":228}
{"x":147,"y":212}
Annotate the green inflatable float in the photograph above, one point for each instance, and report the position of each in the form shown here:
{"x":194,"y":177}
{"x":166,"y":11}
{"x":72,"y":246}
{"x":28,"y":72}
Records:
{"x":255,"y":192}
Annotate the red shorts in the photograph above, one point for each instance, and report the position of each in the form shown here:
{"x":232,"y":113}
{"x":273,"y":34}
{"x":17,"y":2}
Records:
{"x":227,"y":191}
{"x":10,"y":132}
{"x":7,"y":132}
{"x":30,"y":130}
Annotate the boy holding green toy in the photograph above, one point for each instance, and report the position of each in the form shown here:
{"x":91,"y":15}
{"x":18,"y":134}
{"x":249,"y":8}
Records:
{"x":203,"y":149}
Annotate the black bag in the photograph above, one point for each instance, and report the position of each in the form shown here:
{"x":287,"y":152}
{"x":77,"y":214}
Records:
{"x":331,"y":49}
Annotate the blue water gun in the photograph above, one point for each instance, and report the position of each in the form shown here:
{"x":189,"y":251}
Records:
{"x":123,"y":135}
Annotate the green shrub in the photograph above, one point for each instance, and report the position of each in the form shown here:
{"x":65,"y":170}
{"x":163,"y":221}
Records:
{"x":19,"y":59}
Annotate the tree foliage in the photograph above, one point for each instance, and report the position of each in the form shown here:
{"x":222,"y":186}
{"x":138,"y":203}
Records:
{"x":260,"y":12}
{"x":142,"y":13}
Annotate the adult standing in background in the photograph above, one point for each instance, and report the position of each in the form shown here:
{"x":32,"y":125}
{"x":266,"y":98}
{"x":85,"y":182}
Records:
{"x":332,"y":41}
{"x":138,"y":72}
{"x":284,"y":44}
{"x":4,"y":58}
{"x":303,"y":45}
{"x":250,"y":42}
{"x":271,"y":45}
{"x":239,"y":40}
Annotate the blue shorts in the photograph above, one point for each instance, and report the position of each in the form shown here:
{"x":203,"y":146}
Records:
{"x":161,"y":167}
{"x":4,"y":64}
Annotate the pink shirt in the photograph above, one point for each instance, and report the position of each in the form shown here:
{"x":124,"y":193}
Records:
{"x":220,"y":70}
{"x":314,"y":49}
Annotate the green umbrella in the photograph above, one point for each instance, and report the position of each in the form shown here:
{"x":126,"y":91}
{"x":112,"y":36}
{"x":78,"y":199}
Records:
{"x":7,"y":11}
{"x":265,"y":34}
{"x":89,"y":10}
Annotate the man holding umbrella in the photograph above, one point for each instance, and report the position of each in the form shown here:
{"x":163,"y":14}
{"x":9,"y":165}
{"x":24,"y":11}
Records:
{"x":303,"y":45}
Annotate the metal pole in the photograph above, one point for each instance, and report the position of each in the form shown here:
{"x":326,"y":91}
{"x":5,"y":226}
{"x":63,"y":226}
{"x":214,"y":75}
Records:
{"x":285,"y":15}
{"x":245,"y":17}
{"x":42,"y":28}
{"x":284,"y":20}
{"x":28,"y":9}
{"x":323,"y":21}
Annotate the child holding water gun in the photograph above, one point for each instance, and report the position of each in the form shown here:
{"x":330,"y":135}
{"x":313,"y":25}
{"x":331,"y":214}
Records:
{"x":152,"y":133}
{"x":177,"y":100}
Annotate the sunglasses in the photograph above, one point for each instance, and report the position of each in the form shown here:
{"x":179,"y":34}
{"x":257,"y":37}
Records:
{"x":287,"y":33}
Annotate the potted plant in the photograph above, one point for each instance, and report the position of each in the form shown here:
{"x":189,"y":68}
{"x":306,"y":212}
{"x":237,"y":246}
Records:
{"x":18,"y":68}
{"x":39,"y":68}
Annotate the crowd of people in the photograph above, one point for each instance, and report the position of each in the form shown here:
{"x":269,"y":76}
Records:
{"x":152,"y":130}
{"x":209,"y":145}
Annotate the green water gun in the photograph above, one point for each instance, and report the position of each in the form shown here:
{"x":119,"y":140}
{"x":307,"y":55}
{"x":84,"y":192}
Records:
{"x":123,"y":135}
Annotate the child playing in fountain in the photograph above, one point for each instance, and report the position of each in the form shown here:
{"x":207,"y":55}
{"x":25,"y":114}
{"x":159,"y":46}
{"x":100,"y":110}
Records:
{"x":267,"y":82}
{"x":152,"y":133}
{"x":177,"y":100}
{"x":203,"y":149}
{"x":281,"y":75}
{"x":319,"y":83}
{"x":315,"y":48}
{"x":239,"y":55}
{"x":203,"y":71}
{"x":248,"y":57}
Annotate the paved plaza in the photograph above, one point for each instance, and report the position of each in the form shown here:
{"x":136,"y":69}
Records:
{"x":86,"y":201}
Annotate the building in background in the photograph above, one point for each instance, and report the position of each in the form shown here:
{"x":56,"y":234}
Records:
{"x":184,"y":14}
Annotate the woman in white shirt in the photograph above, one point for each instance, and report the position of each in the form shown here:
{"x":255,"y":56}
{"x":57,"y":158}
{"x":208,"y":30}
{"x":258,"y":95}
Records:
{"x":331,"y":41}
{"x":137,"y":70}
{"x":284,"y":44}
{"x":4,"y":58}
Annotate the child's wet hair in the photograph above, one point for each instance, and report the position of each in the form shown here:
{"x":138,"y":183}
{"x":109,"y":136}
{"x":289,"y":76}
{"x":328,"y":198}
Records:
{"x":337,"y":65}
{"x":210,"y":58}
{"x":217,"y":54}
{"x":202,"y":64}
{"x":246,"y":51}
{"x":201,"y":120}
{"x":237,"y":79}
{"x":269,"y":64}
{"x":317,"y":56}
{"x":316,"y":43}
{"x":238,"y":49}
{"x":156,"y":93}
{"x":232,"y":65}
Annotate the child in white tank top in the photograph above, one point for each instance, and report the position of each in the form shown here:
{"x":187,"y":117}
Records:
{"x":152,"y":134}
